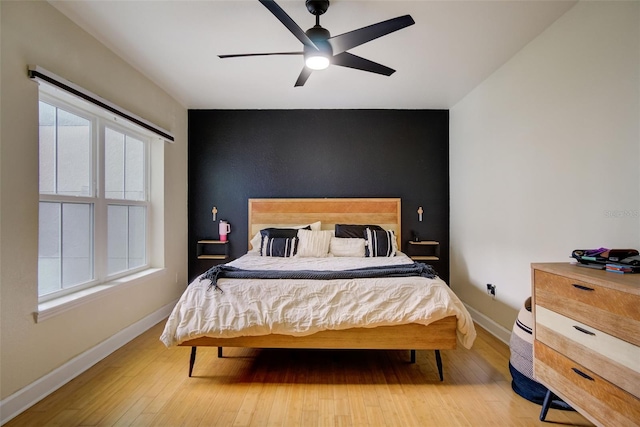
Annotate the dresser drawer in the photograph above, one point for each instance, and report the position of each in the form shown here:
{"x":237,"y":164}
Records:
{"x":609,"y":310}
{"x":586,"y":391}
{"x":613,"y":359}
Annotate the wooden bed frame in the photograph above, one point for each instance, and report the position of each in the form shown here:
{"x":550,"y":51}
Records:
{"x":385,"y":212}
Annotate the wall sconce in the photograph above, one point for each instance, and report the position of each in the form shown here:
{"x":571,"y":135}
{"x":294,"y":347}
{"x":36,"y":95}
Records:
{"x":214,"y":211}
{"x":420,"y":212}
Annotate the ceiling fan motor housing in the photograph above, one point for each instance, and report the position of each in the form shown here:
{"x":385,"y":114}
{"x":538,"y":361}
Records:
{"x":317,"y":7}
{"x":319,"y":36}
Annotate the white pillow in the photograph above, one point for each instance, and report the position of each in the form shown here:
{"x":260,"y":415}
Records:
{"x":315,"y":226}
{"x":313,"y":243}
{"x":343,"y":246}
{"x":256,"y":239}
{"x":255,"y":242}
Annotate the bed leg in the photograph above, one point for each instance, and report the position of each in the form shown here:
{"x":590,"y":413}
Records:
{"x":545,"y":405}
{"x":413,"y":356}
{"x":192,"y":360}
{"x":219,"y":352}
{"x":439,"y":364}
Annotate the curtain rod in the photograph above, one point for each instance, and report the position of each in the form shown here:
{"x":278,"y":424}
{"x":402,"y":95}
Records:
{"x":38,"y":73}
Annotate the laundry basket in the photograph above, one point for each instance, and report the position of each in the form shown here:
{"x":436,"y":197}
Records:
{"x":521,"y":360}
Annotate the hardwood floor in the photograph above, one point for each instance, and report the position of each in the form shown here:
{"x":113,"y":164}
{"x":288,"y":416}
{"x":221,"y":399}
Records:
{"x":146,"y":384}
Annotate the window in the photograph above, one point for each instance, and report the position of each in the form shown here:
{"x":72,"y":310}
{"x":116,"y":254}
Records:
{"x":125,"y":185}
{"x":94,"y":196}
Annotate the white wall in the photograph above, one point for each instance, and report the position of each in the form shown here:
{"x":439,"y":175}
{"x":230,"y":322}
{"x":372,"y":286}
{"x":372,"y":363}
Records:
{"x":544,"y":156}
{"x":33,"y":32}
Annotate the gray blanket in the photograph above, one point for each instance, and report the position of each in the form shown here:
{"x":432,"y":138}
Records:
{"x":408,"y":270}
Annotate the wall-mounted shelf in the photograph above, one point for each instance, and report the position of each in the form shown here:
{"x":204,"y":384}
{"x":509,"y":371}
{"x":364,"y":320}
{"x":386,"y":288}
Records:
{"x":424,"y":250}
{"x":212,"y":249}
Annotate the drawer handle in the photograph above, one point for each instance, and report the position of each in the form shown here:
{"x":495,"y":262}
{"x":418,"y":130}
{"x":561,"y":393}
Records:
{"x":583,"y":330}
{"x":582,"y":287}
{"x":582,"y":374}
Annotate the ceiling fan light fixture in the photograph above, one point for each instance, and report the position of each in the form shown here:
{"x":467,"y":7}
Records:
{"x":317,"y":62}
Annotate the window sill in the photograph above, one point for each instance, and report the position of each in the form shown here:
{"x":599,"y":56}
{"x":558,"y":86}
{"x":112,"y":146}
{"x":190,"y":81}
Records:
{"x":49,"y":309}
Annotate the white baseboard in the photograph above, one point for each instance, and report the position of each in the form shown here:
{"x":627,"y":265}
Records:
{"x":492,"y":327}
{"x":23,"y":399}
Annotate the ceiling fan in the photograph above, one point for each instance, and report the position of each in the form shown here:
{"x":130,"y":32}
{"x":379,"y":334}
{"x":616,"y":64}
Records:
{"x":321,"y":50}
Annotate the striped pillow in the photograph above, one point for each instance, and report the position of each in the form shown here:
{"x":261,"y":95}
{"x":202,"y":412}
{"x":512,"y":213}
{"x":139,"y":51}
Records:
{"x":380,"y":243}
{"x":279,"y":246}
{"x":314,"y":243}
{"x":268,"y":233}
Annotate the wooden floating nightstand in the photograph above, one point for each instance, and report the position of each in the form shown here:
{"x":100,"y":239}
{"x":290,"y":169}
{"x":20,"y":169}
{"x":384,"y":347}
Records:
{"x":424,"y":250}
{"x":208,"y":249}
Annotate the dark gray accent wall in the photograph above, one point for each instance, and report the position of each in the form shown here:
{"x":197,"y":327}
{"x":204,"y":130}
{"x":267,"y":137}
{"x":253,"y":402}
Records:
{"x":235,"y":155}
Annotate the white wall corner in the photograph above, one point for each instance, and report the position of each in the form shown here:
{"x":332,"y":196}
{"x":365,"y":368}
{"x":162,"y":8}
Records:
{"x":492,"y":327}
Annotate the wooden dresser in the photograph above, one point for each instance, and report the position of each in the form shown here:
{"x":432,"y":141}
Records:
{"x":587,"y":340}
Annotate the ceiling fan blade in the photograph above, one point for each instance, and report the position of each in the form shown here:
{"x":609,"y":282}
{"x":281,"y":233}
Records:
{"x":346,"y":41}
{"x":304,"y":75}
{"x":288,"y":22}
{"x":237,"y":55}
{"x":346,"y":59}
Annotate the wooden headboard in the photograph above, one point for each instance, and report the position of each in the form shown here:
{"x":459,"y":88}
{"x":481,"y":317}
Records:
{"x":264,"y":213}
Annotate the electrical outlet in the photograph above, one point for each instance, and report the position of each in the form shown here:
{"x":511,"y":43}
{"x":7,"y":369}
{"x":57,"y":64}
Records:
{"x":491,"y":290}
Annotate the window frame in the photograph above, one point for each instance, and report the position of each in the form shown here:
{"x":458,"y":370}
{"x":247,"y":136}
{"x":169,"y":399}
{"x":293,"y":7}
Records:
{"x":100,"y":119}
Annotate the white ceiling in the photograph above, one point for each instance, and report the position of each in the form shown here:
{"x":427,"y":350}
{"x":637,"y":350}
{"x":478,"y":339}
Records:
{"x":453,"y":47}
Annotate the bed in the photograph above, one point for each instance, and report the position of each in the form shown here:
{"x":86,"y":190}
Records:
{"x":430,"y":316}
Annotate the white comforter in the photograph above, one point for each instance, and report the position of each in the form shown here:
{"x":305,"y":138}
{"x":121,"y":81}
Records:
{"x":251,"y":307}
